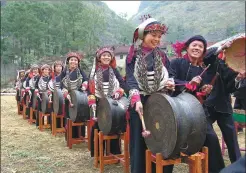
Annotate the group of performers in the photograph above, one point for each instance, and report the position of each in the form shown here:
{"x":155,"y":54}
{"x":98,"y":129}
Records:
{"x":148,"y":70}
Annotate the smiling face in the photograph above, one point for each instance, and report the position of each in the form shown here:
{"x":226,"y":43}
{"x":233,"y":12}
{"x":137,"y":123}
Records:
{"x":152,"y":39}
{"x":22,"y":74}
{"x":105,"y":58}
{"x":195,"y":49}
{"x":73,"y":62}
{"x":58,"y":69}
{"x":46,"y":71}
{"x":35,"y":70}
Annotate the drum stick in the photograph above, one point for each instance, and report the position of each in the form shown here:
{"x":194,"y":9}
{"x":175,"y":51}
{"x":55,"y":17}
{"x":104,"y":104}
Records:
{"x":94,"y":118}
{"x":145,"y":132}
{"x":204,"y":70}
{"x":70,"y":101}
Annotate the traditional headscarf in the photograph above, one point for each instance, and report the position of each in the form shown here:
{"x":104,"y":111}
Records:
{"x":97,"y":63}
{"x":33,"y":66}
{"x":77,"y":55}
{"x":57,"y":63}
{"x":45,"y":66}
{"x":148,"y":25}
{"x":19,"y":73}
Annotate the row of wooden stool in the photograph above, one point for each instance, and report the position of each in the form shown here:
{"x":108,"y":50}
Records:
{"x":198,"y":163}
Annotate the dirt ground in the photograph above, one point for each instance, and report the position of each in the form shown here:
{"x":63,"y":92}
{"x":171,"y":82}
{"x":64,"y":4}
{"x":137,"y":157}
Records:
{"x":24,"y":149}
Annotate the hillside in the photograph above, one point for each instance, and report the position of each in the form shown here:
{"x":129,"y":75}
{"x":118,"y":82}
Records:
{"x":36,"y":32}
{"x":215,"y":20}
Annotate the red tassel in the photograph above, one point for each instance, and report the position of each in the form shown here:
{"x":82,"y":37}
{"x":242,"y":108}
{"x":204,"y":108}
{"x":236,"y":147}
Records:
{"x":191,"y":87}
{"x":92,"y":86}
{"x":178,"y":48}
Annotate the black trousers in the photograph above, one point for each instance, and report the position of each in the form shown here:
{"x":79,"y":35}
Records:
{"x":215,"y":159}
{"x":226,"y":124}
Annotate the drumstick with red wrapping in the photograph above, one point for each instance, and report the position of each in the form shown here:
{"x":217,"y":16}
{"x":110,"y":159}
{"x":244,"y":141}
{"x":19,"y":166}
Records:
{"x":145,"y":133}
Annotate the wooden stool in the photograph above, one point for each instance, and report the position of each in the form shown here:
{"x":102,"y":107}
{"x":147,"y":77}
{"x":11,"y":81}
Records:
{"x":80,"y":139}
{"x":24,"y":111}
{"x":32,"y":120}
{"x":198,"y":162}
{"x":56,"y":130}
{"x":42,"y":125}
{"x":110,"y":158}
{"x":19,"y":108}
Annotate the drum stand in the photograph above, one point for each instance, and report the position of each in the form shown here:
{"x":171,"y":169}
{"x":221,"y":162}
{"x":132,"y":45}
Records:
{"x":80,"y":139}
{"x":56,"y":130}
{"x":41,"y":116}
{"x":19,"y":111}
{"x":24,"y":111}
{"x":110,"y":158}
{"x":32,"y":111}
{"x":198,"y":162}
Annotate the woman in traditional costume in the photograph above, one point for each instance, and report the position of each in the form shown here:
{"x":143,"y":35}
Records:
{"x":146,"y":73}
{"x":41,"y":86}
{"x":73,"y":78}
{"x":105,"y":81}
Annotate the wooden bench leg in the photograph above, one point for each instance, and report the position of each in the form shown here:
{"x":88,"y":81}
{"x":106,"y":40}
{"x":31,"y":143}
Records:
{"x":96,"y":148}
{"x":40,"y":121}
{"x":54,"y":117}
{"x":198,"y":164}
{"x":70,"y":134}
{"x":126,"y":153}
{"x":159,"y":167}
{"x":89,"y":135}
{"x":205,"y":160}
{"x":101,"y":156}
{"x":107,"y":147}
{"x":148,"y":161}
{"x":31,"y":116}
{"x":18,"y":108}
{"x":24,"y":112}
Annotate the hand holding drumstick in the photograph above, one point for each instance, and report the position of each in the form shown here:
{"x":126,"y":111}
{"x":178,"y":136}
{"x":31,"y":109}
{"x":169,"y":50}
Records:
{"x":139,"y":110}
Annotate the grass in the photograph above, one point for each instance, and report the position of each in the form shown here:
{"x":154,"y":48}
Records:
{"x":27,"y":150}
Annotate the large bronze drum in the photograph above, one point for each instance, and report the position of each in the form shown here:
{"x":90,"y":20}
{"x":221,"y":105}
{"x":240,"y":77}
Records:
{"x":58,"y":101}
{"x":177,"y":124}
{"x":111,"y":115}
{"x":80,"y":111}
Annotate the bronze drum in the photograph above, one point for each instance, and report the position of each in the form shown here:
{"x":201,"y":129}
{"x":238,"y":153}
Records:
{"x":58,"y":101}
{"x":177,"y":124}
{"x":111,"y":115}
{"x":80,"y":111}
